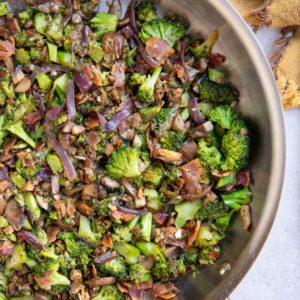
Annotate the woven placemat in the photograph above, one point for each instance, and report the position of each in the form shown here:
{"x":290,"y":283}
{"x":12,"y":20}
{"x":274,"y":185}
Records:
{"x":285,"y":59}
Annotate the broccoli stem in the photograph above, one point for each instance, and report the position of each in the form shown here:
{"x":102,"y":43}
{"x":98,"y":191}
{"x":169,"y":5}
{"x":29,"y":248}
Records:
{"x":18,"y":130}
{"x":52,"y":52}
{"x":146,"y":226}
{"x":85,"y":230}
{"x":31,"y":205}
{"x":54,"y":163}
{"x":150,"y":249}
{"x":129,"y":252}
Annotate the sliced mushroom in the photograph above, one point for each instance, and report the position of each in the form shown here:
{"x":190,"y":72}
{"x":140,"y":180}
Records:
{"x":246,"y":216}
{"x":23,"y":86}
{"x":14,"y":214}
{"x":167,"y":156}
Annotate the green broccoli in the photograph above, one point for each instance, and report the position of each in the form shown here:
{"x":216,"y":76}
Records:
{"x":138,"y":273}
{"x":29,"y":171}
{"x":50,"y":279}
{"x":161,"y":270}
{"x":109,"y":292}
{"x":223,"y":115}
{"x":102,"y":207}
{"x":186,"y":211}
{"x":209,"y":255}
{"x":212,"y":211}
{"x":115,"y":267}
{"x":150,"y":112}
{"x":31,"y":205}
{"x":238,"y":198}
{"x":146,"y":89}
{"x":41,"y":22}
{"x":226,"y":181}
{"x":153,"y":198}
{"x":4,"y":9}
{"x":22,"y":56}
{"x":121,"y":234}
{"x":129,"y":252}
{"x":163,"y":120}
{"x":136,"y":79}
{"x":153,"y":175}
{"x":205,"y":48}
{"x":85,"y":230}
{"x":17,"y":129}
{"x":3,"y":282}
{"x":125,"y":162}
{"x":172,"y":140}
{"x":168,"y":30}
{"x":209,"y":235}
{"x":77,"y":249}
{"x":235,"y":147}
{"x":55,"y":28}
{"x":104,"y":22}
{"x":17,"y":259}
{"x":190,"y":258}
{"x":130,"y":57}
{"x":179,"y":266}
{"x":146,"y":226}
{"x":151,"y":249}
{"x":45,"y":265}
{"x":209,"y":154}
{"x":145,"y":11}
{"x":217,"y":93}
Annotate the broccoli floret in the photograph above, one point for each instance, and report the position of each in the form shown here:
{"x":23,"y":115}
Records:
{"x":77,"y":249}
{"x":85,"y":230}
{"x":138,"y":273}
{"x":161,"y":270}
{"x":104,"y":22}
{"x":109,"y":292}
{"x":150,"y":112}
{"x":209,"y":235}
{"x":125,"y":162}
{"x":212,"y":211}
{"x":209,"y":154}
{"x":17,"y":259}
{"x":226,"y":181}
{"x":45,"y":265}
{"x":172,"y":140}
{"x":153,"y":175}
{"x":137,"y":79}
{"x":190,"y":258}
{"x":223,"y":115}
{"x":102,"y":207}
{"x":130,"y":57}
{"x":146,"y":89}
{"x":208,"y":256}
{"x":122,"y":234}
{"x":153,"y":198}
{"x":50,"y":279}
{"x":168,"y":30}
{"x":186,"y":211}
{"x":4,"y":9}
{"x":179,"y":266}
{"x":238,"y":198}
{"x":17,"y":129}
{"x":145,"y":11}
{"x":205,"y":48}
{"x":163,"y":120}
{"x":29,"y":171}
{"x":216,"y":93}
{"x":22,"y":56}
{"x":235,"y":147}
{"x":115,"y":267}
{"x":55,"y":28}
{"x":3,"y":282}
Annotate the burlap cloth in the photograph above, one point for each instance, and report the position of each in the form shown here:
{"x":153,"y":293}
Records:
{"x":285,"y":59}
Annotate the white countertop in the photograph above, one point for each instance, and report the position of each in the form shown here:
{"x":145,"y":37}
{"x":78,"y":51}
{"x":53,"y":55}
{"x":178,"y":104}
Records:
{"x":275,"y":274}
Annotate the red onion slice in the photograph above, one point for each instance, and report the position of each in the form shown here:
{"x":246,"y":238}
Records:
{"x":31,"y":239}
{"x":132,"y":16}
{"x":149,"y":60}
{"x":127,"y":210}
{"x":53,"y":113}
{"x":82,"y":82}
{"x":71,"y":107}
{"x":115,"y":121}
{"x":65,"y":160}
{"x":48,"y":68}
{"x":105,"y":257}
{"x":39,"y":101}
{"x":194,"y":110}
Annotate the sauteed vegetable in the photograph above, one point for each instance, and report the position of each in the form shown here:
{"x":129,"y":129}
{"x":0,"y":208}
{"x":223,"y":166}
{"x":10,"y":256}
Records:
{"x":122,"y":159}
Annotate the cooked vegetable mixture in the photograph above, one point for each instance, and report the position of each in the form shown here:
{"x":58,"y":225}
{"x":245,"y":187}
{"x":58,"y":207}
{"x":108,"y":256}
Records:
{"x":122,"y":159}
